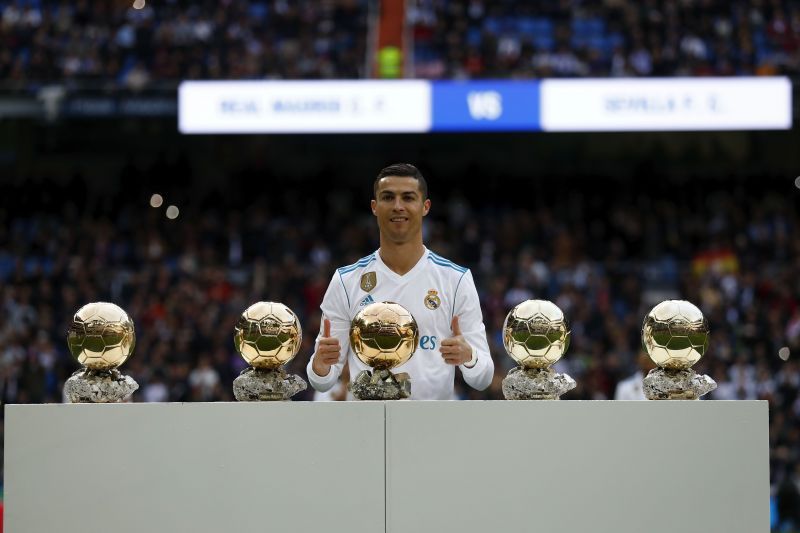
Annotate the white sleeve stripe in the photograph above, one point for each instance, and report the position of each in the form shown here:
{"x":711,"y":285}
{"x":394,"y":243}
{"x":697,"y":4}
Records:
{"x":345,"y":290}
{"x":455,"y":293}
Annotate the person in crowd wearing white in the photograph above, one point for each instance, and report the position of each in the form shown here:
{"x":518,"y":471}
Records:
{"x":632,"y":387}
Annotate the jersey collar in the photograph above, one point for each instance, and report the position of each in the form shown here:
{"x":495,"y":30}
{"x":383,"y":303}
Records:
{"x":423,"y":260}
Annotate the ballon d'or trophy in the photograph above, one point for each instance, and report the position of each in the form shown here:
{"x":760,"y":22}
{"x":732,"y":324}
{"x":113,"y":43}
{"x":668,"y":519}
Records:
{"x":675,"y":335}
{"x":267,"y":336}
{"x":101,"y":338}
{"x":383,"y":335}
{"x":536,"y":335}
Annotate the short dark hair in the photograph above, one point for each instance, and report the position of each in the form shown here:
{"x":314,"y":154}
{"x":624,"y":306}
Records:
{"x":402,"y":170}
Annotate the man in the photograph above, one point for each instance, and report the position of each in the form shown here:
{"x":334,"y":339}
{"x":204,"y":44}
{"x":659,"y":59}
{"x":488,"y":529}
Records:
{"x":632,"y":388}
{"x":439,"y":294}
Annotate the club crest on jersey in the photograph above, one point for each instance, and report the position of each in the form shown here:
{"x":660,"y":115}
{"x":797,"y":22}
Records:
{"x":368,"y":281}
{"x":432,"y":300}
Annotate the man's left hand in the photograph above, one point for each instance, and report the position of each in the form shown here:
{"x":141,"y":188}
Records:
{"x":455,"y":350}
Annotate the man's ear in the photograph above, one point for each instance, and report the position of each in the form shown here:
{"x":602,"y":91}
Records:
{"x":426,"y":206}
{"x":373,"y":204}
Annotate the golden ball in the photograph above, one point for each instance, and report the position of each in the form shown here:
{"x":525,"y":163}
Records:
{"x":267,"y":335}
{"x":101,"y":336}
{"x":384,"y":335}
{"x":675,"y":334}
{"x":536,"y":334}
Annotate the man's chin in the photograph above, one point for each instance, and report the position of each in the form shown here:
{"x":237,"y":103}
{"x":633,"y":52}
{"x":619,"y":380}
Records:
{"x":397,"y":238}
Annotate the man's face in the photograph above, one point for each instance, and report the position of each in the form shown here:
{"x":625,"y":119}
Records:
{"x":399,"y":207}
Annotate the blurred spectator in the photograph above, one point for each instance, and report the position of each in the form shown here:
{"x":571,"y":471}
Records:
{"x":105,"y":43}
{"x":631,"y":388}
{"x":543,"y":38}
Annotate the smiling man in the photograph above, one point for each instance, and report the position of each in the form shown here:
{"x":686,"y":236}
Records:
{"x":439,"y":294}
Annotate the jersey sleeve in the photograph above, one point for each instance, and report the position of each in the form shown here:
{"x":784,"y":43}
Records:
{"x":335,"y":308}
{"x":470,"y":318}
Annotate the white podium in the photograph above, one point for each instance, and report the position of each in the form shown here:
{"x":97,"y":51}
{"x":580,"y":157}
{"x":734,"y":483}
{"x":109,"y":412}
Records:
{"x":194,"y":467}
{"x":565,"y":466}
{"x":578,"y":467}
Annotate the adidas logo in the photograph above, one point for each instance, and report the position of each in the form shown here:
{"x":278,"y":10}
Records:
{"x":366,"y":301}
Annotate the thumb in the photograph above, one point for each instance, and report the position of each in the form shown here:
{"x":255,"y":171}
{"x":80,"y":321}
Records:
{"x":326,"y":328}
{"x":455,"y":327}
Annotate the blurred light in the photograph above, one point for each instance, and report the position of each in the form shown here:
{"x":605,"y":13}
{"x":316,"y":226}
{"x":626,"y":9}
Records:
{"x":138,"y":4}
{"x":156,"y":200}
{"x":172,"y":212}
{"x":797,"y":182}
{"x":783,"y":353}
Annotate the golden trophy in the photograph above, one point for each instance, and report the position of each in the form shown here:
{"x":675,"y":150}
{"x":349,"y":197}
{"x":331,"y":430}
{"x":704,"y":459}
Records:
{"x":536,"y":334}
{"x":675,"y":335}
{"x":267,"y":336}
{"x":383,"y":336}
{"x":101,"y":337}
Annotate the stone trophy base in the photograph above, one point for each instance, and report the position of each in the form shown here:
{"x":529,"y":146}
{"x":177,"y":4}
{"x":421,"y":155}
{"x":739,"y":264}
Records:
{"x":536,"y":384}
{"x":666,"y":384}
{"x":381,"y":385}
{"x":98,"y":386}
{"x":257,"y":385}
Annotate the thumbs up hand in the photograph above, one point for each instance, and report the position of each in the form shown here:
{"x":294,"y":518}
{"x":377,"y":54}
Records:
{"x":328,"y":351}
{"x":455,"y":349}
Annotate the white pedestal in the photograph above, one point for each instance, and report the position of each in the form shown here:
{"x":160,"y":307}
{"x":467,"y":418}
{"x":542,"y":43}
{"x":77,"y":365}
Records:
{"x":578,"y":467}
{"x":194,"y":468}
{"x":563,"y":466}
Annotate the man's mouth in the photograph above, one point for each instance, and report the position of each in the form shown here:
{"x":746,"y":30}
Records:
{"x":399,"y":219}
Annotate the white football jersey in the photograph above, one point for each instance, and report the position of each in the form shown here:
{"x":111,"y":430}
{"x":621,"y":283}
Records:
{"x":434,"y":291}
{"x":631,"y":388}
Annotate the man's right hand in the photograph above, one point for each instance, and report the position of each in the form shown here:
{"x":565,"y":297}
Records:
{"x":328,"y":351}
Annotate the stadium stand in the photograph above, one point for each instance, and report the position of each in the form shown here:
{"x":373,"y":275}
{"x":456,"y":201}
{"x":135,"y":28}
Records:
{"x":108,"y":44}
{"x":506,"y":39}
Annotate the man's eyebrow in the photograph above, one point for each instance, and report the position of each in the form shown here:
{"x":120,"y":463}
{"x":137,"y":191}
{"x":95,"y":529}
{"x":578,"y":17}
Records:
{"x":391,"y":191}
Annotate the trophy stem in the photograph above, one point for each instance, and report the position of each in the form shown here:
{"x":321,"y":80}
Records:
{"x":667,"y":384}
{"x":381,"y":385}
{"x":98,"y":386}
{"x":536,"y":384}
{"x":258,"y":385}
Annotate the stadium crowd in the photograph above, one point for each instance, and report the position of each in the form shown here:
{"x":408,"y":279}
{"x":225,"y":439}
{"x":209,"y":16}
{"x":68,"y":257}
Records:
{"x":605,"y":256}
{"x":112,"y":44}
{"x":543,"y":38}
